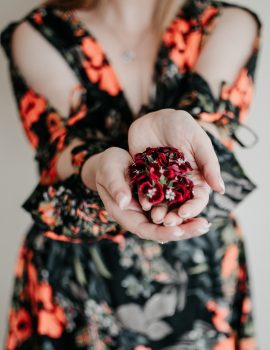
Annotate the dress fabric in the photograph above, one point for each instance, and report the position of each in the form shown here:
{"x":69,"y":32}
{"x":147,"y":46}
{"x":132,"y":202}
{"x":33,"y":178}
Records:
{"x":82,"y":282}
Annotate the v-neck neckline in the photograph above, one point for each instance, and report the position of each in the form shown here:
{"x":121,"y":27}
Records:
{"x":74,"y":18}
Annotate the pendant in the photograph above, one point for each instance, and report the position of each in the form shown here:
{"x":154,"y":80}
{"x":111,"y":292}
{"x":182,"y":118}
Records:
{"x":128,"y":56}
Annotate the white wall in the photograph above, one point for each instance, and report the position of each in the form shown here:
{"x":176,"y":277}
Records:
{"x":18,"y":178}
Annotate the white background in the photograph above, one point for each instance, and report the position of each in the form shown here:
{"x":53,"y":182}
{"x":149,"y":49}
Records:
{"x":18,"y":177}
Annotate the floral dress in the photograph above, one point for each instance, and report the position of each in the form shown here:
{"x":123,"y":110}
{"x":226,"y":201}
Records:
{"x":82,"y":282}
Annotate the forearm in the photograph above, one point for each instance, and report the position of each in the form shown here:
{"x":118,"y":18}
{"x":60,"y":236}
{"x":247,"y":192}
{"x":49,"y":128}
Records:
{"x":65,"y":168}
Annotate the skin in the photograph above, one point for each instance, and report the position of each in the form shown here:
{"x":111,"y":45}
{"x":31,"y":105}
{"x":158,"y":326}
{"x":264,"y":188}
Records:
{"x":220,"y":59}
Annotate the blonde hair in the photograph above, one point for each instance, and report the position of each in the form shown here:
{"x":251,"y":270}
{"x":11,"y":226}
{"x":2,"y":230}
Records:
{"x":165,"y":10}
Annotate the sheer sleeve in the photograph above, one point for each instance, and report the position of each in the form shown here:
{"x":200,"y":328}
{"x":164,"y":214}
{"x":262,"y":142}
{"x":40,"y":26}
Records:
{"x":228,"y":113}
{"x":66,"y":210}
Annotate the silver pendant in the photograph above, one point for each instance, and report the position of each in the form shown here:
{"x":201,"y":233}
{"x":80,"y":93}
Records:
{"x":128,"y":56}
{"x":162,"y":242}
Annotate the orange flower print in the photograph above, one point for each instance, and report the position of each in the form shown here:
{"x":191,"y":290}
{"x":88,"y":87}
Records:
{"x":55,"y":126}
{"x":240,"y":93}
{"x":246,"y":309}
{"x":247,"y":344}
{"x":97,"y":70}
{"x":142,"y":347}
{"x":31,"y":107}
{"x":209,"y":13}
{"x":49,"y":175}
{"x":51,"y":322}
{"x":184,"y":43}
{"x":108,"y":81}
{"x":20,"y":328}
{"x":47,"y":213}
{"x":78,"y":115}
{"x":38,"y":17}
{"x":51,"y":317}
{"x":219,"y":317}
{"x":93,"y":74}
{"x":225,"y":344}
{"x":230,"y":261}
{"x":93,"y":51}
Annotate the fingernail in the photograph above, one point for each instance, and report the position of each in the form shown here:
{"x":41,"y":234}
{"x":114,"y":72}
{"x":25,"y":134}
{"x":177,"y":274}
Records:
{"x":146,"y":208}
{"x":185,"y":215}
{"x":205,"y":228}
{"x":122,"y":200}
{"x":178,"y":233}
{"x":158,"y":221}
{"x":170,"y":223}
{"x":222,"y":185}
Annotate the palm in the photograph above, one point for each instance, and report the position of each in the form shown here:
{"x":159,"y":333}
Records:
{"x":178,"y":129}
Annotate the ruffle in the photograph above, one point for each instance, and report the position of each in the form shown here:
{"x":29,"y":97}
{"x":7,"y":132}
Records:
{"x":70,"y":209}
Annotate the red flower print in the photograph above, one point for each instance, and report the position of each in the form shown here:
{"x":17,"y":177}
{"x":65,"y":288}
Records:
{"x":31,"y":107}
{"x":20,"y":328}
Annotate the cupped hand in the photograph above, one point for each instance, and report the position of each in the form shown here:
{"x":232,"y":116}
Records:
{"x":113,"y":187}
{"x":177,"y":128}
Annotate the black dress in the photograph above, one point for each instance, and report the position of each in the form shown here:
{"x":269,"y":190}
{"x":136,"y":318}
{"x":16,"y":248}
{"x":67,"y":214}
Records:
{"x":82,"y":282}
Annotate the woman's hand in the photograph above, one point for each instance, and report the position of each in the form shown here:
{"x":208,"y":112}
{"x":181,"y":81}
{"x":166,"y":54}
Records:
{"x":109,"y":168}
{"x":178,"y":129}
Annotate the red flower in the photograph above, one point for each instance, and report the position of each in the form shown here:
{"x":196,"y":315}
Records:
{"x":153,"y":191}
{"x":160,"y":174}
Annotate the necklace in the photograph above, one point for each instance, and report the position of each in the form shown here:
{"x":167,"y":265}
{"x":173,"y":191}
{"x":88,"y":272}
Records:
{"x":127,"y":54}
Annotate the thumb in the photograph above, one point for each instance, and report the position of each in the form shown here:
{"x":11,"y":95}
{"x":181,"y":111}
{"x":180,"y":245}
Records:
{"x":207,"y":162}
{"x":113,"y":177}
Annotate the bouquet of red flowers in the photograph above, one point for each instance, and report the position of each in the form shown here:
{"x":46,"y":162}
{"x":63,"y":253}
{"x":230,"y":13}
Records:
{"x":161,"y":174}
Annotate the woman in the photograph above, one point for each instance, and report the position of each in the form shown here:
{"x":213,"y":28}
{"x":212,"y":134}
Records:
{"x":91,"y":273}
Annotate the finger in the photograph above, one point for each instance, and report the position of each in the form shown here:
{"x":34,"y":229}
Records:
{"x":195,"y":227}
{"x":158,"y":213}
{"x":146,"y":205}
{"x":112,"y":176}
{"x":207,"y":161}
{"x":172,"y":218}
{"x":195,"y":206}
{"x":136,"y":222}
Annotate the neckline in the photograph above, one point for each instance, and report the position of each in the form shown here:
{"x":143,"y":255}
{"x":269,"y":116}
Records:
{"x":74,"y":18}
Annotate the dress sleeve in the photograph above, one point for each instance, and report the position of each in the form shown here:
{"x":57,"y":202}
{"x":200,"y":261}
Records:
{"x":228,"y":113}
{"x":66,"y":210}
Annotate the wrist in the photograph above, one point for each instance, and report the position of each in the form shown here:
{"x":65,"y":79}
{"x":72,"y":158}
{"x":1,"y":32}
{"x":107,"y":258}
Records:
{"x":89,"y":171}
{"x":85,"y":160}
